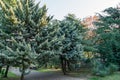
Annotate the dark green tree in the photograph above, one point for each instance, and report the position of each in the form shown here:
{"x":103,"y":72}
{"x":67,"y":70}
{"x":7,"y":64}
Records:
{"x":108,"y":37}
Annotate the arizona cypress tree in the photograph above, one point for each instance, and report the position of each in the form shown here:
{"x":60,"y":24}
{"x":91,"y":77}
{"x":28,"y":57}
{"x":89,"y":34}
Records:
{"x":72,"y":47}
{"x":61,"y":39}
{"x":47,"y":42}
{"x":22,"y":21}
{"x":26,"y":18}
{"x":25,"y":56}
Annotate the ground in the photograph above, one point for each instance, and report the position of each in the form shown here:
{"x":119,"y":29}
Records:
{"x":115,"y":76}
{"x":50,"y":75}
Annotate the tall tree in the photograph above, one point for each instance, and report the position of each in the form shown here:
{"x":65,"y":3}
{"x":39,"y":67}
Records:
{"x":108,"y":36}
{"x":10,"y":2}
{"x":47,"y":42}
{"x":72,"y":47}
{"x":62,"y":39}
{"x":23,"y":21}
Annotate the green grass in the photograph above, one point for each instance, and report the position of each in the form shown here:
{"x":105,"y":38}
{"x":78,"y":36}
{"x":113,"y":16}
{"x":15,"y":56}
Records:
{"x":81,"y":73}
{"x":11,"y":76}
{"x":48,"y":70}
{"x":115,"y":76}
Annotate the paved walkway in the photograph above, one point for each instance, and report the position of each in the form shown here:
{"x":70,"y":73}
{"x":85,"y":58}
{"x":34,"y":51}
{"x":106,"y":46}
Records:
{"x":35,"y":75}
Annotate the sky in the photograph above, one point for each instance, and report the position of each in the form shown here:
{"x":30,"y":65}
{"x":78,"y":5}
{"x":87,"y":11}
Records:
{"x":81,"y":8}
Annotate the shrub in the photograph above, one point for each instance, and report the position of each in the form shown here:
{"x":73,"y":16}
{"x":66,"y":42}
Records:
{"x":112,"y":68}
{"x":102,"y":70}
{"x":2,"y":72}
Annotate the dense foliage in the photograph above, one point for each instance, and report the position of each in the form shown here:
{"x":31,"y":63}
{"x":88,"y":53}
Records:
{"x":28,"y":36}
{"x":108,"y":37}
{"x":20,"y":23}
{"x":61,"y":39}
{"x":72,"y":48}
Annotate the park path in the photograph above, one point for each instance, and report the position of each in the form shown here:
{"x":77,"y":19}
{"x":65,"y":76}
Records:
{"x":56,"y":75}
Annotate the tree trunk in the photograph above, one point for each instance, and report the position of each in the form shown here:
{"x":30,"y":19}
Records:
{"x":46,"y":66}
{"x":2,"y":61}
{"x":68,"y":65}
{"x":119,"y":67}
{"x":22,"y":76}
{"x":23,"y":71}
{"x":6,"y":71}
{"x":0,"y":69}
{"x":63,"y":65}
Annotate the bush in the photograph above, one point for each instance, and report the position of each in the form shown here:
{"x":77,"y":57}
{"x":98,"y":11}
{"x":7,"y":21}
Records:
{"x":112,"y":68}
{"x":2,"y":72}
{"x":102,"y":70}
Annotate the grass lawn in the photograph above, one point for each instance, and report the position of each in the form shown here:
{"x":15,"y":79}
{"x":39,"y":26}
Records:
{"x":115,"y":76}
{"x":11,"y":76}
{"x":86,"y":74}
{"x":47,"y":70}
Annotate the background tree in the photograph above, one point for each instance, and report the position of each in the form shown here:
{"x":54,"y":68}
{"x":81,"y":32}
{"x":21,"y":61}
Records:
{"x":108,"y":38}
{"x":47,"y":43}
{"x":61,"y":39}
{"x":72,"y":47}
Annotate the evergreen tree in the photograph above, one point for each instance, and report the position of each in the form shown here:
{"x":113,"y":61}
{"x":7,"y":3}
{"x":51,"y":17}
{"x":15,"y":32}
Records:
{"x":61,"y":39}
{"x":22,"y":55}
{"x":47,"y":42}
{"x":22,"y":21}
{"x":10,"y":2}
{"x":72,"y":47}
{"x":26,"y":15}
{"x":108,"y":37}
